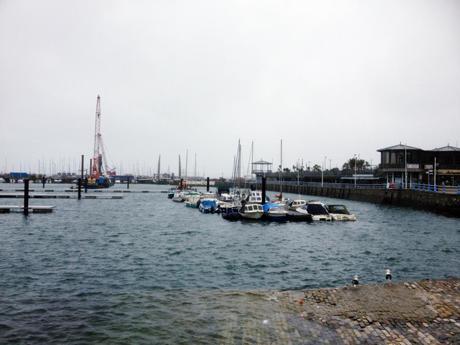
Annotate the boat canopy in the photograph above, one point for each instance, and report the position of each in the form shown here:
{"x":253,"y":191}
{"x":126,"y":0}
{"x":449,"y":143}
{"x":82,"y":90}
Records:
{"x":209,"y":203}
{"x":267,"y":206}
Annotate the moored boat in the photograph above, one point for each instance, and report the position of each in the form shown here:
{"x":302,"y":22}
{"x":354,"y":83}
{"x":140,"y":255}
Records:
{"x":252,"y":211}
{"x":276,"y":214}
{"x":208,"y":205}
{"x":317,"y":210}
{"x":230,"y":212}
{"x":255,"y":197}
{"x":192,"y":201}
{"x":178,"y":196}
{"x":340,"y":212}
{"x":295,"y":204}
{"x":294,"y":216}
{"x":171,"y":193}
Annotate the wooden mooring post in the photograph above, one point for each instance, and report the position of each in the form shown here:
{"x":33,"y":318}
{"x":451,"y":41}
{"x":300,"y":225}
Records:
{"x":26,"y":197}
{"x":207,"y":184}
{"x":264,"y":188}
{"x":79,"y":188}
{"x":80,"y":180}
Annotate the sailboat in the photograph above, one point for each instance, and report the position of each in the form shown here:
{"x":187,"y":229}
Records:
{"x":100,"y":172}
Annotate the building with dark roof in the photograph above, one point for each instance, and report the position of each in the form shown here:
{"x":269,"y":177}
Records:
{"x":405,"y":165}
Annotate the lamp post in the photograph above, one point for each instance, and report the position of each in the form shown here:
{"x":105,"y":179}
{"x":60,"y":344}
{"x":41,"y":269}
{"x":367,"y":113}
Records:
{"x":322,"y":171}
{"x":356,"y":158}
{"x":405,"y":167}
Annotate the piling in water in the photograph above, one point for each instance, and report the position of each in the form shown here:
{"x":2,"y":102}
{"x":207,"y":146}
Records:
{"x":26,"y":197}
{"x":79,"y":188}
{"x":207,"y":184}
{"x":264,"y":188}
{"x":127,"y":183}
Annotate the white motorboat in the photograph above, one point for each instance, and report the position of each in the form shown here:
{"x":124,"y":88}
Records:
{"x":192,"y":201}
{"x":178,"y":197}
{"x":295,"y":204}
{"x":209,"y":205}
{"x":226,"y":197}
{"x":316,"y":209}
{"x":340,"y":212}
{"x":255,"y":197}
{"x":252,"y":211}
{"x":277,"y":214}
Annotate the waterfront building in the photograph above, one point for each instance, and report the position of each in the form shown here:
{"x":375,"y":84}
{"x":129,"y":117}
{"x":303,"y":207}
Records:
{"x":405,"y":165}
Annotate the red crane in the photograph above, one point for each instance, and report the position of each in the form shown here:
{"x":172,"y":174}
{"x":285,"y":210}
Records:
{"x":100,"y":166}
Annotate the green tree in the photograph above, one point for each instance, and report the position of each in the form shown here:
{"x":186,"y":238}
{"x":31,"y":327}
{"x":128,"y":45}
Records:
{"x":360,"y":164}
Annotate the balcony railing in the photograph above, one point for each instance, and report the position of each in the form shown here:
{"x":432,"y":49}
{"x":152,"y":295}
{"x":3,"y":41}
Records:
{"x":443,"y":189}
{"x":436,"y":188}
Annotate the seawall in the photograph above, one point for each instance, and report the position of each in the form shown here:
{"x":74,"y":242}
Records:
{"x":447,"y":204}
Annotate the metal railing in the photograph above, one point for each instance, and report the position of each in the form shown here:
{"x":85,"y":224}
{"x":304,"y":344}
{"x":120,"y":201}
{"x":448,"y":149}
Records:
{"x":435,"y":188}
{"x":414,"y":186}
{"x":331,"y":185}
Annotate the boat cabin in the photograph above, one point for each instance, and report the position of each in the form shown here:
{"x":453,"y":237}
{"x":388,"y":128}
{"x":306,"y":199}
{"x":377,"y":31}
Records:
{"x":316,"y":209}
{"x":253,"y":208}
{"x":255,"y":196}
{"x":296,"y":203}
{"x":338,"y":209}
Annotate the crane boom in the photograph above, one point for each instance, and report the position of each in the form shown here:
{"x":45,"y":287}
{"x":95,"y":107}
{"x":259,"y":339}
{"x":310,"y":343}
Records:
{"x":100,"y":163}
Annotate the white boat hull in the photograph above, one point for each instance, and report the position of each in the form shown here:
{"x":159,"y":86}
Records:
{"x":343,"y":217}
{"x":251,"y":215}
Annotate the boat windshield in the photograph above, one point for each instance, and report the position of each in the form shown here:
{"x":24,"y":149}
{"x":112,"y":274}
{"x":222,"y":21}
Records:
{"x":316,"y":209}
{"x":339,"y":209}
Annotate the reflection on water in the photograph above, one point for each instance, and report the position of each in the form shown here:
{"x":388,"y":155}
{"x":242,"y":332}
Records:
{"x":145,"y":269}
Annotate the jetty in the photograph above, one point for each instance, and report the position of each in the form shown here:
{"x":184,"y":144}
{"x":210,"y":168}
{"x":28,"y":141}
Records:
{"x":56,"y":196}
{"x":423,"y":312}
{"x":20,"y":209}
{"x":441,"y":203}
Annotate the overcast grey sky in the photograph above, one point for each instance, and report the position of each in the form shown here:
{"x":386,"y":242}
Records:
{"x":332,"y":78}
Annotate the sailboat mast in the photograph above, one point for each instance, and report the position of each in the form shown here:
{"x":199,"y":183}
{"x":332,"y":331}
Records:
{"x":281,"y":167}
{"x":158,"y":168}
{"x":194,"y":167}
{"x":186,"y":163}
{"x":239,"y":163}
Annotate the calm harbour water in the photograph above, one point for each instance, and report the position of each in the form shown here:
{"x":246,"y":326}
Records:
{"x":146,"y":270}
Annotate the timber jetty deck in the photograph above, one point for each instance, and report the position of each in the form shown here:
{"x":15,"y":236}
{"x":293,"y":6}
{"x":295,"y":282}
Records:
{"x":75,"y":190}
{"x":32,"y":209}
{"x":56,"y":196}
{"x":424,"y":312}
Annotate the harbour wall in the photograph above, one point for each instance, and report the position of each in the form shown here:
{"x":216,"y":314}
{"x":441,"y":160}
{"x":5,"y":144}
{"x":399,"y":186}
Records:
{"x":447,"y":204}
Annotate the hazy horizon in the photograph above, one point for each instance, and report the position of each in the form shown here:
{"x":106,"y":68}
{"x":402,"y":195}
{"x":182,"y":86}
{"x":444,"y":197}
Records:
{"x":330,"y":78}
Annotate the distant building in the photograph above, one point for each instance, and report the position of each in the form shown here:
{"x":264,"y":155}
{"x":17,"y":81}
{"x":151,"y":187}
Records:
{"x":17,"y":175}
{"x":261,"y":168}
{"x":418,"y":165}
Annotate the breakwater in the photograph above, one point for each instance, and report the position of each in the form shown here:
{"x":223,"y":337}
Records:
{"x":447,"y":204}
{"x":423,"y":312}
